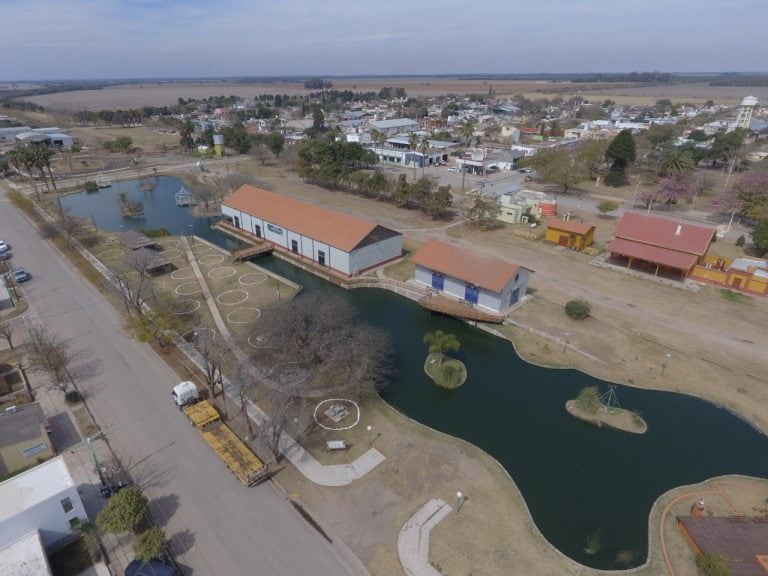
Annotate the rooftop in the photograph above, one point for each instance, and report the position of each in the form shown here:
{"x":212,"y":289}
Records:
{"x":25,"y":557}
{"x":134,"y":240}
{"x":740,"y":540}
{"x":477,"y":269}
{"x":394,"y":123}
{"x":664,"y":233}
{"x":36,"y":485}
{"x":570,"y":226}
{"x":336,"y":229}
{"x":22,"y":425}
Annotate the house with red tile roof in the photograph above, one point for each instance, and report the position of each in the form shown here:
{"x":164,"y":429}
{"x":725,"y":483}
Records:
{"x":341,"y":242}
{"x":660,"y":245}
{"x":483,"y":281}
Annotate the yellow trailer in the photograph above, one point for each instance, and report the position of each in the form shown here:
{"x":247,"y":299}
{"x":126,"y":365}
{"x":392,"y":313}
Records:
{"x":243,"y":463}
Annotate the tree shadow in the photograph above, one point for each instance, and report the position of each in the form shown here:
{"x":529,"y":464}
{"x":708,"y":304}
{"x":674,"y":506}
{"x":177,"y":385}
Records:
{"x":164,"y":507}
{"x":181,"y":542}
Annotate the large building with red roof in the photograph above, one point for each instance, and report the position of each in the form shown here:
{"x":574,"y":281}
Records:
{"x":341,"y":242}
{"x":484,"y":281}
{"x":660,"y":245}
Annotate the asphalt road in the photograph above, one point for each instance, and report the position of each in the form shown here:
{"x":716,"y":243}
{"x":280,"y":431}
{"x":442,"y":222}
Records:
{"x":217,"y":526}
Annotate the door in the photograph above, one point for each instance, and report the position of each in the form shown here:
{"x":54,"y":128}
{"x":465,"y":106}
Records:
{"x":321,"y":257}
{"x":736,"y":283}
{"x":563,"y":241}
{"x":515,"y":296}
{"x":294,"y":246}
{"x":257,"y":231}
{"x":471,"y":294}
{"x":237,"y":221}
{"x":438,"y":281}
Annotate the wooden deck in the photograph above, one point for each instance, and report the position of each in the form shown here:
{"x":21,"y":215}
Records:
{"x":261,"y":249}
{"x":457,"y":309}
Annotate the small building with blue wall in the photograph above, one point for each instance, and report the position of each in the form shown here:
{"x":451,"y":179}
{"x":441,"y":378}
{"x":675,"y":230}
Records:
{"x":484,"y":281}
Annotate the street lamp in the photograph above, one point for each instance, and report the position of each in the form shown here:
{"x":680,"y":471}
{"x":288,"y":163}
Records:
{"x":296,"y":427}
{"x":459,"y":500}
{"x":667,"y":356}
{"x":369,"y":428}
{"x":565,"y":342}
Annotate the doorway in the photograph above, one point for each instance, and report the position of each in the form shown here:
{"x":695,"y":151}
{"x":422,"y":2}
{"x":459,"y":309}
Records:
{"x":294,"y":246}
{"x":321,"y":257}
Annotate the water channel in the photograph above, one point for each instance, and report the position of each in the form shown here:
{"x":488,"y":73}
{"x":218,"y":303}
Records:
{"x":576,"y":478}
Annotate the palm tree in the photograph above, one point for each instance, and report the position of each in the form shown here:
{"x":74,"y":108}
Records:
{"x":36,"y":153}
{"x":423,"y":147}
{"x":413,"y":142}
{"x":376,"y":138}
{"x":439,"y":342}
{"x":44,"y":155}
{"x":21,"y":158}
{"x":468,"y":131}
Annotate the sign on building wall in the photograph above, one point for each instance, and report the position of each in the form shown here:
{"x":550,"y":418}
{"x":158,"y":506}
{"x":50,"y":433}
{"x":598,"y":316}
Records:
{"x":275,"y":229}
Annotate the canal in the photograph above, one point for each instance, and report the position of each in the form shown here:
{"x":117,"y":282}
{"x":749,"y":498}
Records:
{"x":577,"y":479}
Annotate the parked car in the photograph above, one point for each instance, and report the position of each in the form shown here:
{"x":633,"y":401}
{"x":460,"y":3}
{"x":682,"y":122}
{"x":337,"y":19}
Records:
{"x":4,"y":247}
{"x":21,"y":275}
{"x":453,"y":169}
{"x":5,"y":255}
{"x":151,"y":568}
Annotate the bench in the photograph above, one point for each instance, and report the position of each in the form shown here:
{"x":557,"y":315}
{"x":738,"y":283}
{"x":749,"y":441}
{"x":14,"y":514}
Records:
{"x":335,"y":445}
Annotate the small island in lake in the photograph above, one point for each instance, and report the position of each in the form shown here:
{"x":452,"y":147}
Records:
{"x":604,"y":410}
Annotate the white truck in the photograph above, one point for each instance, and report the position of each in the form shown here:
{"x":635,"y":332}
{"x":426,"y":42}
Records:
{"x":185,"y":394}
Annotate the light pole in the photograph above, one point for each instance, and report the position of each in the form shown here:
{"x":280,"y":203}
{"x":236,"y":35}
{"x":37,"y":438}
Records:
{"x":296,"y":427}
{"x":667,"y":356}
{"x":565,"y":342}
{"x":459,"y":500}
{"x":369,"y":428}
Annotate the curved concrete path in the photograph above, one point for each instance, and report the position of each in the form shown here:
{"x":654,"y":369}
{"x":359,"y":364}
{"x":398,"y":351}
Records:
{"x":413,"y":541}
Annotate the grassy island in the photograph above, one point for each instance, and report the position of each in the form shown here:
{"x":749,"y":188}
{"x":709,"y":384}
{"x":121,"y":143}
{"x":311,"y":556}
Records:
{"x":446,"y":372}
{"x":591,"y":407}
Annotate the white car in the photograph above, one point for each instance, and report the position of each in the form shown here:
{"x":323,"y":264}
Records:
{"x":453,"y":169}
{"x":3,"y":247}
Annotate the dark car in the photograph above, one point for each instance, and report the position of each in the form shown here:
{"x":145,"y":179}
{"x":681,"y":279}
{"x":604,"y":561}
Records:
{"x":151,"y":568}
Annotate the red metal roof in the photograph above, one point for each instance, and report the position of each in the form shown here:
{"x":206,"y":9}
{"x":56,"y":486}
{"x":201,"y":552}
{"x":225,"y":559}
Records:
{"x":670,"y":234}
{"x":740,"y":540}
{"x":654,"y":254}
{"x":328,"y":226}
{"x":483,"y":271}
{"x":570,"y":226}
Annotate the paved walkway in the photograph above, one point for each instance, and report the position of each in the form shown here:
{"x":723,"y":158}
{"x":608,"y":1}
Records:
{"x":308,"y":465}
{"x":413,"y":542}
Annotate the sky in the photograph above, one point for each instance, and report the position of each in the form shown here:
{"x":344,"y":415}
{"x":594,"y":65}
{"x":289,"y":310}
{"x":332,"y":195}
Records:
{"x":94,"y":39}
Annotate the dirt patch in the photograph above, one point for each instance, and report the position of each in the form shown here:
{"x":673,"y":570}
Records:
{"x":614,"y":418}
{"x":84,"y":422}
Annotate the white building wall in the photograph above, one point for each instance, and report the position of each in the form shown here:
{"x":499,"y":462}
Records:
{"x":320,"y":247}
{"x":307,"y":248}
{"x":47,"y":516}
{"x":339,"y":260}
{"x":374,"y":254}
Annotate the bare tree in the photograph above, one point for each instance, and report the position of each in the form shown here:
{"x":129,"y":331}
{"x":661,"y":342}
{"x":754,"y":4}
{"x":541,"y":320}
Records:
{"x":52,"y":356}
{"x":6,"y":332}
{"x":213,"y":355}
{"x":135,"y":281}
{"x":242,"y":383}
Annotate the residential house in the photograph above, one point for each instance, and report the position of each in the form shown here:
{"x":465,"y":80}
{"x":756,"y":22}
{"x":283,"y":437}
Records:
{"x":24,"y":438}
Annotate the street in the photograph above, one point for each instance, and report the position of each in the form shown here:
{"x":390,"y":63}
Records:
{"x":216,"y":526}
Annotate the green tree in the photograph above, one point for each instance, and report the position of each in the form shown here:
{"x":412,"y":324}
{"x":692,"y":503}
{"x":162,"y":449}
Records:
{"x":124,"y":511}
{"x":413,"y":144}
{"x":621,"y":151}
{"x":726,"y":145}
{"x":379,"y":138}
{"x":592,"y":153}
{"x":559,"y":167}
{"x":318,"y":119}
{"x":483,"y":212}
{"x":712,"y":565}
{"x":150,"y":544}
{"x":674,"y":162}
{"x":4,"y":164}
{"x":760,"y":237}
{"x":439,"y":342}
{"x":438,"y":203}
{"x":22,"y":161}
{"x":698,"y":135}
{"x":187,"y":135}
{"x":468,"y":131}
{"x":237,"y":138}
{"x":607,"y":206}
{"x":423,"y":148}
{"x":276,"y":143}
{"x":578,"y":309}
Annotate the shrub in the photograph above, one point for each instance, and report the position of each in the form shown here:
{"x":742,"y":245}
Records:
{"x":73,"y":397}
{"x":124,"y":511}
{"x":712,"y":565}
{"x":741,"y":241}
{"x":578,"y":309}
{"x":155,"y":232}
{"x":588,"y":400}
{"x":91,"y":186}
{"x":150,"y":544}
{"x":607,"y":206}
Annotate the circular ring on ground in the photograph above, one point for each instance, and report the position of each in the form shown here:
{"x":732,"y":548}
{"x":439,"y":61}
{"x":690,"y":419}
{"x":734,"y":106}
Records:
{"x":112,"y":240}
{"x":260,"y":278}
{"x":258,"y":342}
{"x":199,"y":248}
{"x":110,"y":254}
{"x":169,"y":243}
{"x":195,"y":305}
{"x":197,"y":332}
{"x":281,"y":377}
{"x":255,"y":312}
{"x":227,"y":271}
{"x":171,"y":253}
{"x":211,"y":259}
{"x":221,"y":300}
{"x":195,"y":285}
{"x":185,"y":275}
{"x":357,"y":408}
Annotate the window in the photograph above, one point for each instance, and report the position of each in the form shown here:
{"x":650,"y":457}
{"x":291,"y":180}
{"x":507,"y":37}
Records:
{"x":67,"y":505}
{"x":74,"y":523}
